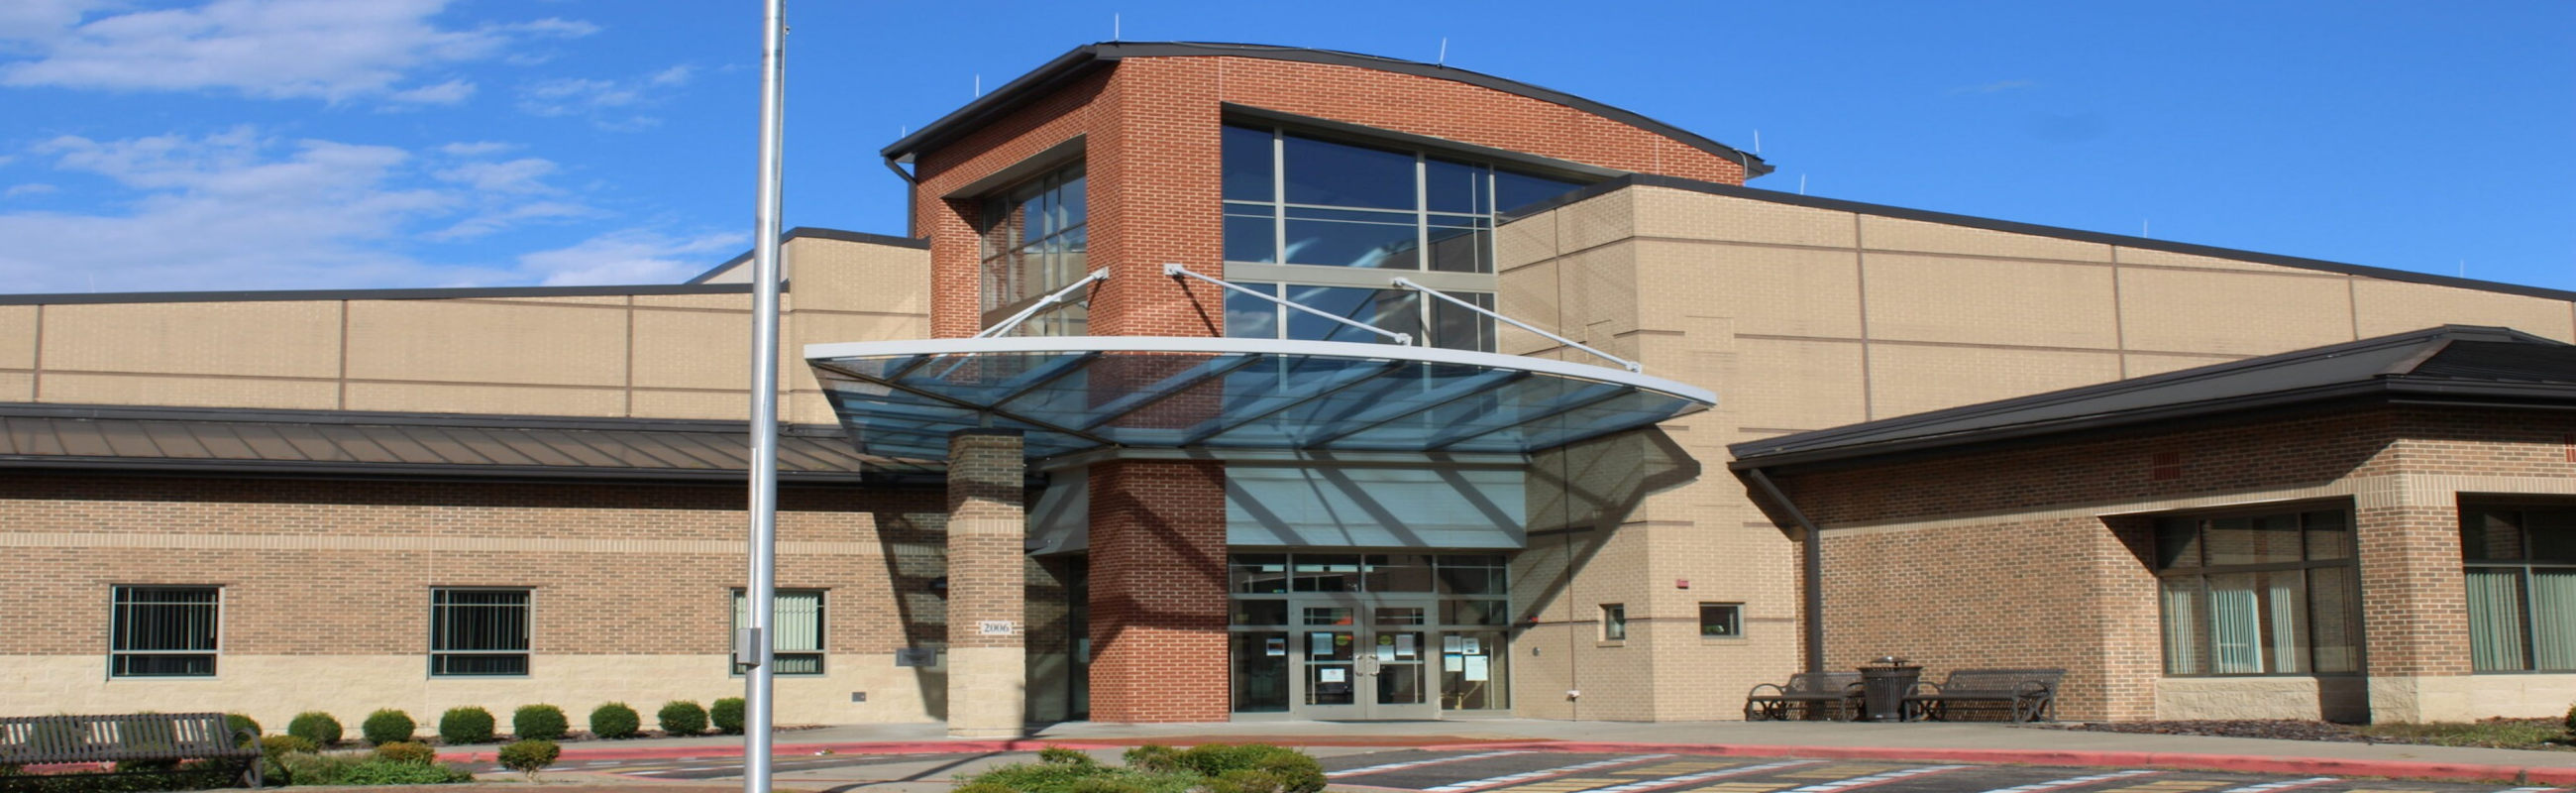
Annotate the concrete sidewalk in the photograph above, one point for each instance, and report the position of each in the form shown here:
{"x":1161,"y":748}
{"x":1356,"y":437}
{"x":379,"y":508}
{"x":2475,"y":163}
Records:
{"x":1925,"y":742}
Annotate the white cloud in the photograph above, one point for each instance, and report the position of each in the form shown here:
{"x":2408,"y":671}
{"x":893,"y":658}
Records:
{"x":30,"y":188}
{"x":446,"y":93}
{"x":34,"y":19}
{"x":335,"y":50}
{"x":610,"y":104}
{"x":631,"y":256}
{"x":242,"y":210}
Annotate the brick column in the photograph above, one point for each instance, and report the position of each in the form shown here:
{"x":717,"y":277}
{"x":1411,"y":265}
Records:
{"x":987,"y":525}
{"x":1158,"y":594}
{"x":2413,"y":617}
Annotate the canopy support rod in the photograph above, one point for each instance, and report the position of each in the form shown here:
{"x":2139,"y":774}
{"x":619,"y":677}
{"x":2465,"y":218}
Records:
{"x":1052,"y":298}
{"x":1623,"y":363}
{"x":1176,"y":270}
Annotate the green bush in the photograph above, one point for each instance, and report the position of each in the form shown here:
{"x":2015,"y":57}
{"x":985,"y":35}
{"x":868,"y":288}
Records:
{"x":539,"y":722}
{"x":387,"y":725}
{"x":682,"y":717}
{"x":1063,"y":756}
{"x":459,"y":726}
{"x":529,"y":757}
{"x":274,"y":745}
{"x":614,"y":720}
{"x":348,"y":769}
{"x":1212,"y":768}
{"x":2571,"y":720}
{"x":406,"y":752}
{"x":727,"y":715}
{"x":237,"y":722}
{"x":315,"y":726}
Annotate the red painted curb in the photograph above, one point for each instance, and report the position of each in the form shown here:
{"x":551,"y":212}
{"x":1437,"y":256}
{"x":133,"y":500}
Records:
{"x":789,"y":750}
{"x":2258,"y":764}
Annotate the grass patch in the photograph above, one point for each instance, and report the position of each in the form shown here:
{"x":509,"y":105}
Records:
{"x":2487,"y":734}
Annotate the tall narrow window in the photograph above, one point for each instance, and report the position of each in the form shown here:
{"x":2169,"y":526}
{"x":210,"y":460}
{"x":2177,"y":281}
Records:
{"x":1614,"y":622}
{"x":164,"y":631}
{"x":1036,"y":241}
{"x":478,"y":632}
{"x":796,"y":645}
{"x":2521,"y":576}
{"x":2258,"y":595}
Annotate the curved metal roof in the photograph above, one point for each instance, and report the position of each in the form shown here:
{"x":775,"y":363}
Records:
{"x":1071,"y":394}
{"x":1065,"y":68}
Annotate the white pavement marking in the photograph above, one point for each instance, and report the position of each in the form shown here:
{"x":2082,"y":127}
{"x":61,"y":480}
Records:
{"x":1478,"y":784}
{"x":1419,"y":763}
{"x":1703,"y":776}
{"x":1873,"y":779}
{"x":2287,"y":784}
{"x":2038,"y":787}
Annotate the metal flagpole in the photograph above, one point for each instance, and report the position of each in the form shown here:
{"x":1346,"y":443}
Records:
{"x":754,"y":643}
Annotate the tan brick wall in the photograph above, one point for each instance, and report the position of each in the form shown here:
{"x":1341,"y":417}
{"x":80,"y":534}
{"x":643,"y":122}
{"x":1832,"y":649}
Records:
{"x":2042,"y":556}
{"x":322,"y":577}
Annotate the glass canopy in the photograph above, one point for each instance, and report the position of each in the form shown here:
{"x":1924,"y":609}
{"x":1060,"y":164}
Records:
{"x":1073,"y":394}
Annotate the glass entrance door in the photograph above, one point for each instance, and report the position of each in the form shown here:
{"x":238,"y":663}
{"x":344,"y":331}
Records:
{"x":1360,"y":660}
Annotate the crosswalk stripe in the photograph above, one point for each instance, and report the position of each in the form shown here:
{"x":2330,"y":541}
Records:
{"x":2287,"y":784}
{"x":1703,"y":776}
{"x":1419,"y":763}
{"x":2038,"y":787}
{"x":1525,"y":776}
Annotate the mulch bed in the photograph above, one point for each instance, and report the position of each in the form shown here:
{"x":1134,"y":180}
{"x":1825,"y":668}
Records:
{"x":2282,"y":729}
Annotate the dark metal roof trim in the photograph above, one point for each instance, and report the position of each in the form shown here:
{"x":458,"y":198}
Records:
{"x":820,"y":234}
{"x":2036,"y":230}
{"x":352,"y":443}
{"x":254,"y":296}
{"x":2420,"y":379}
{"x":1073,"y":65}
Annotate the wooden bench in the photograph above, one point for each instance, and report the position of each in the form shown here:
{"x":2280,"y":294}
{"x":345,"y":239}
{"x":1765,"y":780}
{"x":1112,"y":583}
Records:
{"x":130,"y":738}
{"x":1841,"y":690}
{"x":2030,"y":694}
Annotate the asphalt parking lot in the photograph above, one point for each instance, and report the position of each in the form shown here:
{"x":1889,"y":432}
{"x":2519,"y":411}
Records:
{"x":1530,"y":771}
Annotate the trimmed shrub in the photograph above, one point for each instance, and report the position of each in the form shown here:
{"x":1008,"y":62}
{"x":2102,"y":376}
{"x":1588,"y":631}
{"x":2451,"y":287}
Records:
{"x":2571,"y":720}
{"x":1059,"y":755}
{"x":539,"y":722}
{"x":344,"y":769}
{"x":274,"y":745}
{"x":406,"y":752}
{"x":682,"y":717}
{"x":237,"y":722}
{"x":315,"y":726}
{"x":459,"y":726}
{"x":615,"y":720}
{"x":727,"y":715}
{"x":387,"y":725}
{"x":529,"y":757}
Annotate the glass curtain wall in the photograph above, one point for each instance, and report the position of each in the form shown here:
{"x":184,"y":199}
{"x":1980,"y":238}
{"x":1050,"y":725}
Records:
{"x":2521,"y":576}
{"x":1036,"y":241}
{"x":2259,"y":595}
{"x":1304,"y":201}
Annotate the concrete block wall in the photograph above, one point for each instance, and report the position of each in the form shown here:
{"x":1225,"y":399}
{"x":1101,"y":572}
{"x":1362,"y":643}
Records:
{"x":1804,"y":318}
{"x":636,"y":356}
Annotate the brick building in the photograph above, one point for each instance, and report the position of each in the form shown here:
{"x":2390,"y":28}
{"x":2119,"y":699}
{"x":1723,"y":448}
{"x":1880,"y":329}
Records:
{"x":1184,"y":478}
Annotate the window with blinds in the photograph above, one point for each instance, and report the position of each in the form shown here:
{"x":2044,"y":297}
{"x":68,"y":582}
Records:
{"x":2521,"y":575}
{"x":2271,"y":594}
{"x":796,"y":645}
{"x":164,"y":631}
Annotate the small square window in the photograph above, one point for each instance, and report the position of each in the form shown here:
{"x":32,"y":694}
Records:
{"x":164,"y":631}
{"x":478,"y":632}
{"x":1721,"y":620}
{"x":1614,"y":622}
{"x":796,"y":627}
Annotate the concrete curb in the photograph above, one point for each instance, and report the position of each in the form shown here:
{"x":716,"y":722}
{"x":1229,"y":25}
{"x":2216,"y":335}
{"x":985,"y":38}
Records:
{"x":2257,"y":764}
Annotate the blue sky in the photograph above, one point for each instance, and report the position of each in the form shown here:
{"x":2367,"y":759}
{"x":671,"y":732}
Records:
{"x":289,"y":144}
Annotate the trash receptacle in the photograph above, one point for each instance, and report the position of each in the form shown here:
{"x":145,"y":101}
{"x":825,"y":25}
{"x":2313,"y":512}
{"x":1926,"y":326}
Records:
{"x":1883,"y":688}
